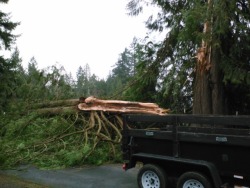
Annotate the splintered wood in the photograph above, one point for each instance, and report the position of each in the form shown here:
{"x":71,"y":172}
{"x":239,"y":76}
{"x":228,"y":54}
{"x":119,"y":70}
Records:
{"x":118,"y":106}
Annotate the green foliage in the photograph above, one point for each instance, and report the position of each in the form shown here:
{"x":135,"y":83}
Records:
{"x":100,"y":155}
{"x":38,"y":85}
{"x":143,"y":87}
{"x":227,"y":32}
{"x":48,"y":142}
{"x":6,"y":28}
{"x":7,"y":66}
{"x":10,"y":71}
{"x":82,"y":86}
{"x":121,"y":74}
{"x":89,"y":85}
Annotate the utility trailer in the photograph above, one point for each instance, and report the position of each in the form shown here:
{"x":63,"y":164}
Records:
{"x":188,"y":151}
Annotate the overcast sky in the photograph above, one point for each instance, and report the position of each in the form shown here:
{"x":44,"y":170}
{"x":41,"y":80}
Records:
{"x":74,"y":32}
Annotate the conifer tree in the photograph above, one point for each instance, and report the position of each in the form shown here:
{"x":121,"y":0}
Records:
{"x":208,"y":44}
{"x":7,"y":38}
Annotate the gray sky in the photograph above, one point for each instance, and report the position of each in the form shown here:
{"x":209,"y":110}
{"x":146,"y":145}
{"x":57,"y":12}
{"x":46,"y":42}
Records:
{"x":74,"y":32}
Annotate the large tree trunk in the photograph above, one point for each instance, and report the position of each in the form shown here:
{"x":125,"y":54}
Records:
{"x":218,"y":97}
{"x":202,"y":94}
{"x":208,"y":87}
{"x":51,"y":104}
{"x":202,"y":91}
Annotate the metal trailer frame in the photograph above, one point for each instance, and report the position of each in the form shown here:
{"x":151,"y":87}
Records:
{"x":218,"y":146}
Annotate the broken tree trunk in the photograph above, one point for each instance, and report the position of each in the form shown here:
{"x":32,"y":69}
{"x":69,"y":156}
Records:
{"x":51,"y":104}
{"x":57,"y":110}
{"x":118,"y":106}
{"x":73,"y":106}
{"x":202,"y":91}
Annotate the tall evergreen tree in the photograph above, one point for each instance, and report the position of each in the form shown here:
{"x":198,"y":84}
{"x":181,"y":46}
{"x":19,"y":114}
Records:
{"x":208,"y":43}
{"x":7,"y":38}
{"x":121,"y":74}
{"x":10,"y":79}
{"x":143,"y":81}
{"x":6,"y":29}
{"x":82,"y":83}
{"x":56,"y":83}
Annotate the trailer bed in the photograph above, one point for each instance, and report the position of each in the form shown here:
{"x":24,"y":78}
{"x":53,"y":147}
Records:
{"x":222,"y":141}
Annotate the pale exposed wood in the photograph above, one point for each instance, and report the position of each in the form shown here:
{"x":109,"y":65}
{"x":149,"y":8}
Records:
{"x":119,"y":106}
{"x":93,"y":100}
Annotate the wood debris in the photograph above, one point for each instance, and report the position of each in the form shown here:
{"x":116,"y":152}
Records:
{"x":118,"y":106}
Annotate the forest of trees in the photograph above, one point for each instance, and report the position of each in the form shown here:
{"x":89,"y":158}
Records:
{"x":202,"y":65}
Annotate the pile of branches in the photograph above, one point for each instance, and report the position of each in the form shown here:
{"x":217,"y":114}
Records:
{"x":63,"y":133}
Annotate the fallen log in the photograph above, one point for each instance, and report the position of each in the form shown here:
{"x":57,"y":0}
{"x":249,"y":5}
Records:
{"x":91,"y":103}
{"x":93,"y":100}
{"x":57,"y":110}
{"x":119,"y":106}
{"x":51,"y":104}
{"x":115,"y":109}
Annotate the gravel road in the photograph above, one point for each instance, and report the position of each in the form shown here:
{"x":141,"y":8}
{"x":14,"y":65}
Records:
{"x":105,"y":176}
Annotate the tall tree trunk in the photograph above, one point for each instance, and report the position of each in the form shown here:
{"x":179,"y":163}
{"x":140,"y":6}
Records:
{"x":208,"y":87}
{"x":218,"y":97}
{"x":202,"y":91}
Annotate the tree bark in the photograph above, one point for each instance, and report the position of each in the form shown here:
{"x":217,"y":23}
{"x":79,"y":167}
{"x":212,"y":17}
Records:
{"x":51,"y":104}
{"x":202,"y":94}
{"x":202,"y":91}
{"x":209,"y":95}
{"x":57,"y":110}
{"x":218,"y":97}
{"x":208,"y":87}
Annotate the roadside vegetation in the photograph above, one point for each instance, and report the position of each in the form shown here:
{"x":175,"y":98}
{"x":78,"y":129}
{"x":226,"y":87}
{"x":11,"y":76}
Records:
{"x":59,"y":141}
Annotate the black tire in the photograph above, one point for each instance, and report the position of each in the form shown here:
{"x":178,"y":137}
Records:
{"x":151,"y":176}
{"x":193,"y":179}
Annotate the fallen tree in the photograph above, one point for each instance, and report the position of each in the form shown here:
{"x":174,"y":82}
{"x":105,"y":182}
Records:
{"x":66,"y":133}
{"x":118,"y":106}
{"x":93,"y":104}
{"x":51,"y":104}
{"x":57,"y":110}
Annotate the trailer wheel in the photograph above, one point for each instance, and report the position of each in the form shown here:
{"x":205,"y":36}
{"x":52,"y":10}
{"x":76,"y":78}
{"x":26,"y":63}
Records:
{"x":151,"y":176}
{"x":193,"y":180}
